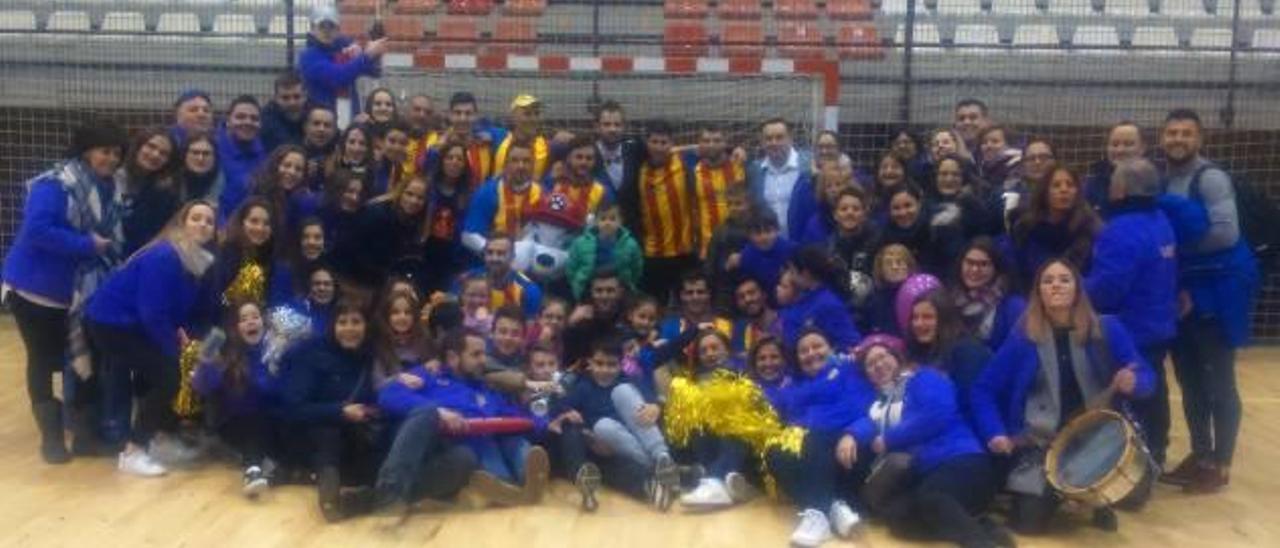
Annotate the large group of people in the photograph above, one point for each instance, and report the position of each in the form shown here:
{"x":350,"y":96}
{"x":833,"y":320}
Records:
{"x":394,"y":305}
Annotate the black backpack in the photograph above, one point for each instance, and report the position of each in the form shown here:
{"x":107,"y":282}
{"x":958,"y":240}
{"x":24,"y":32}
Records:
{"x":1257,"y":213}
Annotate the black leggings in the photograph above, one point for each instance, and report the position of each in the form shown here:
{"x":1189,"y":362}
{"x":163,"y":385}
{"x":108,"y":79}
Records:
{"x":347,"y":447}
{"x":44,"y":334}
{"x":155,"y":376}
{"x":945,"y":502}
{"x":811,"y":479}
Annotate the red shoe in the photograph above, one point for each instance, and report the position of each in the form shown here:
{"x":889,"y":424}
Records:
{"x":1211,"y":479}
{"x":1186,"y":472}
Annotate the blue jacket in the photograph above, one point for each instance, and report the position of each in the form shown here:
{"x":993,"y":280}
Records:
{"x":151,"y":293}
{"x":819,"y":228}
{"x":765,"y":266}
{"x":1135,"y":273}
{"x":327,"y":75}
{"x":260,"y":393}
{"x":595,"y":402}
{"x":830,"y":401}
{"x":932,"y":428}
{"x":239,"y":162}
{"x":321,"y":377}
{"x":822,"y":309}
{"x":278,"y":129}
{"x":999,"y":395}
{"x":47,"y":249}
{"x":803,"y":205}
{"x":471,"y":398}
{"x":775,"y":392}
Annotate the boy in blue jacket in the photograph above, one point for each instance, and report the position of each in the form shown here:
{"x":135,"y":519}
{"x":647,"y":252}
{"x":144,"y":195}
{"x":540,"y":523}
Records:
{"x":767,"y":251}
{"x":458,"y":392}
{"x":622,"y":419}
{"x":331,"y":64}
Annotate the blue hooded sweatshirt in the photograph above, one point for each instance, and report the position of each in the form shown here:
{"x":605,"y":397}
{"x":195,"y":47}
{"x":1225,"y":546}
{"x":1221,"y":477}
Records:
{"x":1135,"y":271}
{"x":152,"y":294}
{"x":239,"y":161}
{"x":327,"y":74}
{"x":829,"y":401}
{"x":932,"y":428}
{"x":822,"y":309}
{"x":47,"y":249}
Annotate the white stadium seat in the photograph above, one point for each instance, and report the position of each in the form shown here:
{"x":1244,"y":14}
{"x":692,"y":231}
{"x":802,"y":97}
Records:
{"x":959,"y":7}
{"x":926,"y":34}
{"x":1070,"y":7}
{"x":178,"y":23}
{"x":1097,"y":36}
{"x":1156,"y":37}
{"x":1036,"y":35}
{"x":1183,"y":8}
{"x":1266,"y":39}
{"x":278,"y":26}
{"x":976,"y":35}
{"x":17,"y":20}
{"x":234,"y":23}
{"x":126,"y":21}
{"x":1127,"y":8}
{"x":1211,"y":38}
{"x":68,"y":21}
{"x":1014,"y":7}
{"x":896,"y":7}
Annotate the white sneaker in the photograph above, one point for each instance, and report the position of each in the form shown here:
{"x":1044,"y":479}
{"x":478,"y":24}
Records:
{"x":139,"y":463}
{"x":740,"y":490}
{"x":254,"y":482}
{"x":710,"y":494}
{"x":843,"y":519}
{"x":813,"y":530}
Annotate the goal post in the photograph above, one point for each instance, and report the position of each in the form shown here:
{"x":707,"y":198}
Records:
{"x":734,"y":94}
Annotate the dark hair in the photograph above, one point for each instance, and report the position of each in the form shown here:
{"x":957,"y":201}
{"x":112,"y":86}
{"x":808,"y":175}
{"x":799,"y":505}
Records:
{"x":969,"y":178}
{"x":638,"y":300}
{"x":336,"y":185}
{"x":183,"y":181}
{"x":658,"y":127}
{"x":456,"y":339}
{"x":334,"y":161}
{"x":794,"y":352}
{"x":368,"y":101}
{"x":509,"y":311}
{"x":582,"y":140}
{"x":819,"y":263}
{"x":235,"y":242}
{"x":1083,"y":222}
{"x":462,"y":187}
{"x":988,"y":246}
{"x":134,"y":171}
{"x":244,"y":100}
{"x":972,"y":102}
{"x":388,"y":361}
{"x":461,"y":98}
{"x":1008,"y":133}
{"x":604,"y":273}
{"x":346,"y":306}
{"x":775,"y":120}
{"x":266,"y":183}
{"x":286,"y":79}
{"x":520,"y":142}
{"x":234,"y":351}
{"x":608,"y":106}
{"x":762,"y":219}
{"x":693,"y":276}
{"x":825,"y":133}
{"x":95,"y":133}
{"x":908,"y":189}
{"x":608,"y":203}
{"x":950,"y":329}
{"x":381,"y":131}
{"x":608,"y":345}
{"x":1183,"y":115}
{"x":312,"y":108}
{"x":753,"y":353}
{"x":445,"y":316}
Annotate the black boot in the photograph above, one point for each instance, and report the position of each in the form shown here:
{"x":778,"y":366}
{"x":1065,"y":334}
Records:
{"x":329,"y":484}
{"x":49,"y":419}
{"x":1105,"y":519}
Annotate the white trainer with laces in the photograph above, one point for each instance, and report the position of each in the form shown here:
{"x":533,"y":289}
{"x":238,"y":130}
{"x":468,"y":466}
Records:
{"x":813,"y":530}
{"x":739,"y":488}
{"x":709,"y":495}
{"x":139,"y":463}
{"x":843,"y":519}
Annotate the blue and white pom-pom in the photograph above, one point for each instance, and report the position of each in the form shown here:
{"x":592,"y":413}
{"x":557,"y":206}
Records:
{"x":285,"y":326}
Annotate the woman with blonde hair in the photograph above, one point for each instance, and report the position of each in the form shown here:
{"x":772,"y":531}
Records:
{"x":137,"y":321}
{"x":1060,"y":360}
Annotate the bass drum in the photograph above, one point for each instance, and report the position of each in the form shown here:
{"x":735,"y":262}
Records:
{"x":1099,"y":459}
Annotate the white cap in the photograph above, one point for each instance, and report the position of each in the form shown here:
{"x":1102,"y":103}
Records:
{"x":324,"y":13}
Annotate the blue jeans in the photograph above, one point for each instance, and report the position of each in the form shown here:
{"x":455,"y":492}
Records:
{"x":502,"y":456}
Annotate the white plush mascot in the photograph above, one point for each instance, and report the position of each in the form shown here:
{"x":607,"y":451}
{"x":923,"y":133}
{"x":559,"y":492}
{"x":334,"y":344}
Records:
{"x":543,"y":248}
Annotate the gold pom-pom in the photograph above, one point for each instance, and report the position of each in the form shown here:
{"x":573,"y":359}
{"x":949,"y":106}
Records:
{"x":186,"y":404}
{"x":728,"y":405}
{"x":249,"y":285}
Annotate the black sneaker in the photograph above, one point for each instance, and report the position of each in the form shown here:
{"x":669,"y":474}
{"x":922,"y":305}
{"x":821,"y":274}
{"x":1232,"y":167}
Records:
{"x":666,"y":480}
{"x":588,"y":481}
{"x":1106,"y":520}
{"x":255,"y":482}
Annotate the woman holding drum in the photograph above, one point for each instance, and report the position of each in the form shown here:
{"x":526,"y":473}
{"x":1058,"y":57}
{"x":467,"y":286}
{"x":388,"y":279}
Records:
{"x":1061,"y":360}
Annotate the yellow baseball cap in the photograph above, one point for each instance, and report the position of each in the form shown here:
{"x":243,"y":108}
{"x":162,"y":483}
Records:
{"x":524,"y":100}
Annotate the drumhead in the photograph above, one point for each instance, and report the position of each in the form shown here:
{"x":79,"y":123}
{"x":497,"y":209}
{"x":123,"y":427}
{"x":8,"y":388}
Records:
{"x":1094,"y":450}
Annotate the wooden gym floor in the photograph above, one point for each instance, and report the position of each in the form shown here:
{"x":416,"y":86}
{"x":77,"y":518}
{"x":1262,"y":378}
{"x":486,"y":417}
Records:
{"x":86,"y":503}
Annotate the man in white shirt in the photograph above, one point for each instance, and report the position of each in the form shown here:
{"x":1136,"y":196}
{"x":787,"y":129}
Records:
{"x":782,"y":180}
